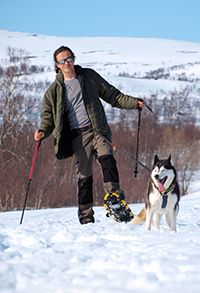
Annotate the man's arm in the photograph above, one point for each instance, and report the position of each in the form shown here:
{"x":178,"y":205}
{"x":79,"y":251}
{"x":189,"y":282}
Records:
{"x":117,"y":99}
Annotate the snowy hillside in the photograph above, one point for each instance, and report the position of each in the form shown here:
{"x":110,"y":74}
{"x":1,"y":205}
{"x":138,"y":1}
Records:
{"x":52,"y":253}
{"x":177,"y":62}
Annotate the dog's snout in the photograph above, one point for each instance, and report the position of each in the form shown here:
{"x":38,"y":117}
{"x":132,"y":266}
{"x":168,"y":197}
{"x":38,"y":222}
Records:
{"x":156,"y":176}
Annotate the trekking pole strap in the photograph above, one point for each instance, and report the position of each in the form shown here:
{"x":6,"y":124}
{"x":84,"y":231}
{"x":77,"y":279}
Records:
{"x":140,"y":109}
{"x":148,"y":108}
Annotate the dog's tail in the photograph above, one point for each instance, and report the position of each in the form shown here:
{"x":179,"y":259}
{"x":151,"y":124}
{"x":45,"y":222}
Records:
{"x":140,"y":218}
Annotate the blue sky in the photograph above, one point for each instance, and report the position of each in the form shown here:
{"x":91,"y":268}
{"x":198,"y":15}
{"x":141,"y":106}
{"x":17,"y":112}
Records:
{"x":167,"y":19}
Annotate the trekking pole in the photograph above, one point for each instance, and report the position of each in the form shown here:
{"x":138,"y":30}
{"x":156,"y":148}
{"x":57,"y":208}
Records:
{"x":116,"y":147}
{"x":30,"y":177}
{"x":138,"y":139}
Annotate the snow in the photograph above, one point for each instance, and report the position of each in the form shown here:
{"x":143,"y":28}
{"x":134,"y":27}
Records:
{"x":52,"y":252}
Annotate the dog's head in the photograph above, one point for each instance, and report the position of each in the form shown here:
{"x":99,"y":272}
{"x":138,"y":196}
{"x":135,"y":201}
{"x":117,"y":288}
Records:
{"x":163,"y":173}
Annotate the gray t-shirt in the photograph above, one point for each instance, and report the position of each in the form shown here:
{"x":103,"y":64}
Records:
{"x":74,"y":104}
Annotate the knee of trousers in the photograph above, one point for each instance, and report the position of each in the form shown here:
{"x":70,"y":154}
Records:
{"x":109,"y":168}
{"x":85,"y":195}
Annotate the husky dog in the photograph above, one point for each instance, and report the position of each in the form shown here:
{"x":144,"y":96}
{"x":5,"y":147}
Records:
{"x":163,"y":196}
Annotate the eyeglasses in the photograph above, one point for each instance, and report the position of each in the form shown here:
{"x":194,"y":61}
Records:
{"x":68,"y":59}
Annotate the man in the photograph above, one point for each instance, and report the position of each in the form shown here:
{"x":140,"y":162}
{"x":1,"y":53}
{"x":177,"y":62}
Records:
{"x":72,"y":108}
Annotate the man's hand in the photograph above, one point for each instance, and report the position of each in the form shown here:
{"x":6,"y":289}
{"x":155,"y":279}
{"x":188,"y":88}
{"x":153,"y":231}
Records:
{"x":38,"y":135}
{"x":140,"y":104}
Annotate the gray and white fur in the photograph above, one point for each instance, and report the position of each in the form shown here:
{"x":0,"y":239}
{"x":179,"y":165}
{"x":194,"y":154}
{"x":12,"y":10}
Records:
{"x":163,"y":196}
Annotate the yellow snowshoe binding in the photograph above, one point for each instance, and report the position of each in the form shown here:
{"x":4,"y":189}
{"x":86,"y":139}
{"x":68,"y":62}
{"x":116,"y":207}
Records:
{"x":117,"y":208}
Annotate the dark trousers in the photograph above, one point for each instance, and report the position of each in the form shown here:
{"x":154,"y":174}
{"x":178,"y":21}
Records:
{"x":86,"y":146}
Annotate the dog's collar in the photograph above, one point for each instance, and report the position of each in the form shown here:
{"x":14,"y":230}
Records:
{"x":164,"y":194}
{"x":170,"y":188}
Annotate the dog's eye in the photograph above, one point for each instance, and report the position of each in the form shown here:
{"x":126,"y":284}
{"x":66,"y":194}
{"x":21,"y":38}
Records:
{"x":156,"y":169}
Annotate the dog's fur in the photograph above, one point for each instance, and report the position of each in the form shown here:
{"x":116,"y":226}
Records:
{"x":163,"y":181}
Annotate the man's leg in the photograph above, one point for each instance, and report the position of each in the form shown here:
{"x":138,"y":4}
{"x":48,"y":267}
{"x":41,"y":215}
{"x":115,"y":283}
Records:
{"x":114,"y":199}
{"x":108,"y":165}
{"x":83,"y":154}
{"x":85,"y":200}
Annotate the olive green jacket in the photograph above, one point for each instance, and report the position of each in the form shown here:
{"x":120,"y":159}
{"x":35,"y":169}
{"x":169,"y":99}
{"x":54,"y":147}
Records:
{"x":54,"y":118}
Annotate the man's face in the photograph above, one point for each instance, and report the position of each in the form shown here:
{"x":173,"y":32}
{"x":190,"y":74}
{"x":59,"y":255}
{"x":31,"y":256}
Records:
{"x":67,"y":67}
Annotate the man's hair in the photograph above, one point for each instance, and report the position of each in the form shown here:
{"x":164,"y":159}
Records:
{"x":58,"y":51}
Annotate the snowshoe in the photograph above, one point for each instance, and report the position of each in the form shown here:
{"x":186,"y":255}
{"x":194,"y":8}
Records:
{"x":117,"y":208}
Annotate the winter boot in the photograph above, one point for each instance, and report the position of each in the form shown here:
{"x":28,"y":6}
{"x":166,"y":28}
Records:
{"x":86,"y":213}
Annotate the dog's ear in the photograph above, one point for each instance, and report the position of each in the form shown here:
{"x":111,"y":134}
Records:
{"x":169,"y":159}
{"x":156,"y":159}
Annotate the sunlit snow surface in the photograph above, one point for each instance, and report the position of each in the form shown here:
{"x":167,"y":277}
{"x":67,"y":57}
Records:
{"x":52,"y":252}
